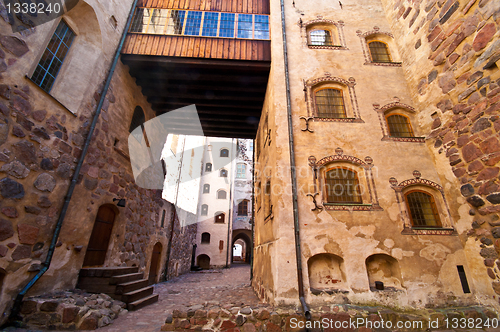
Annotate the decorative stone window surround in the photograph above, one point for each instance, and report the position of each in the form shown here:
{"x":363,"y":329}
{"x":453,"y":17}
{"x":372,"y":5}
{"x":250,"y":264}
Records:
{"x":431,"y":188}
{"x":349,"y":95}
{"x":340,"y":158}
{"x":337,"y":33}
{"x":382,"y":111}
{"x":366,"y":50}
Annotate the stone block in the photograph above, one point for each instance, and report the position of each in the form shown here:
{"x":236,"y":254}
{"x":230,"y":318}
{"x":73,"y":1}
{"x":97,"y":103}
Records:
{"x":27,"y":233}
{"x":49,"y":306}
{"x":28,"y":307}
{"x":11,"y":189}
{"x":484,"y":36}
{"x":272,"y":327}
{"x":6,"y":229}
{"x":45,"y":182}
{"x":21,"y":252}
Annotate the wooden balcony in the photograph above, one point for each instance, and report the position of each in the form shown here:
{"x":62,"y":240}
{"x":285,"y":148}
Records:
{"x":232,"y":6}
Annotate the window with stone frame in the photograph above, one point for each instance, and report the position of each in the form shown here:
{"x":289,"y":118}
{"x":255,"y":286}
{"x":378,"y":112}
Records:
{"x":243,"y":208}
{"x":422,"y":209}
{"x":206,"y":188}
{"x":204,"y":210}
{"x":332,"y":99}
{"x":224,"y":153}
{"x":379,"y":48}
{"x":268,"y":209}
{"x":396,"y":121}
{"x":208,"y":167}
{"x":324,"y":34}
{"x":221,"y":194}
{"x":205,"y":238}
{"x":220,"y":217}
{"x":223,"y":173}
{"x":53,"y":57}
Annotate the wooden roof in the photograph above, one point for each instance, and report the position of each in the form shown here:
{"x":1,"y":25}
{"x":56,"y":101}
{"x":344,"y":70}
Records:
{"x":228,"y":93}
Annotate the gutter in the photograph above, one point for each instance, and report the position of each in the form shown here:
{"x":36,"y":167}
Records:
{"x":293,"y":173}
{"x":14,"y":314}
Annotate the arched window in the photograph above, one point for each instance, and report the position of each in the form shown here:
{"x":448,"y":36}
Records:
{"x":205,"y":237}
{"x":330,"y":103}
{"x":206,"y":188}
{"x":320,"y":38}
{"x":137,"y":119}
{"x":224,"y":153}
{"x":342,"y":186}
{"x":243,"y":208}
{"x":220,"y":217}
{"x":379,"y":51}
{"x":399,"y":126}
{"x":422,"y":209}
{"x":208,"y":167}
{"x":223,"y":173}
{"x":221,"y":194}
{"x":204,"y":210}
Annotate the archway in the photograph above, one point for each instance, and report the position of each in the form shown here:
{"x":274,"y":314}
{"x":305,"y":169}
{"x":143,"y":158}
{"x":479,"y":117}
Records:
{"x":155,"y":263}
{"x":240,"y":237}
{"x":204,"y":261}
{"x":101,"y":234}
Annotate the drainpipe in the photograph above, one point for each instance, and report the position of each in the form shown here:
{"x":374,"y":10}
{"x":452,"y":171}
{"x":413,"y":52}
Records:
{"x":293,"y":173}
{"x":14,"y":314}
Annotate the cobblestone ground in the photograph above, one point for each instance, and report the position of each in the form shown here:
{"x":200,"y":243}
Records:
{"x":224,"y":287}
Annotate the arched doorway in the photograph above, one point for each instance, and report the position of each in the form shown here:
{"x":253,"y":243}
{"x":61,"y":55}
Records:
{"x":155,"y":263}
{"x":244,"y":240}
{"x":204,"y":261}
{"x":101,"y":234}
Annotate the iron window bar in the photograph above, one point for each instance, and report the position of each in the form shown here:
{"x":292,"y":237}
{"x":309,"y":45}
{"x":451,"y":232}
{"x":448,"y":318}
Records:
{"x":379,"y":52}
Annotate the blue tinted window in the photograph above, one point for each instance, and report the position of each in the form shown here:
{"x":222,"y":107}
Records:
{"x":244,"y":26}
{"x":226,"y":25}
{"x":52,"y":59}
{"x":261,"y":27}
{"x":193,"y":24}
{"x":210,"y":24}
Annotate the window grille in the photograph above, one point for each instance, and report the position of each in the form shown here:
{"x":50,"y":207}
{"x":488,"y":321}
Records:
{"x":243,"y":208}
{"x":379,"y":51}
{"x":423,"y":211}
{"x":241,"y":171}
{"x":52,"y":59}
{"x":330,"y":104}
{"x":175,"y":22}
{"x":227,"y":25}
{"x":221,"y":194}
{"x":399,"y":126}
{"x":261,"y":30}
{"x":245,"y":26}
{"x":342,"y":186}
{"x":321,"y":38}
{"x":193,"y":23}
{"x":210,"y":24}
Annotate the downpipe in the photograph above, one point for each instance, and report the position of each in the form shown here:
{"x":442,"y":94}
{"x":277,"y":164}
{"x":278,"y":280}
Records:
{"x":293,"y":173}
{"x":14,"y":317}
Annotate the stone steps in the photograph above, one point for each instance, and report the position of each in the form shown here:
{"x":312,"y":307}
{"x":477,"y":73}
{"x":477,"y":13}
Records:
{"x":121,"y":283}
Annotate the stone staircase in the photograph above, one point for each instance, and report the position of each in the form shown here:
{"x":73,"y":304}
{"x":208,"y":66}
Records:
{"x":125,"y":284}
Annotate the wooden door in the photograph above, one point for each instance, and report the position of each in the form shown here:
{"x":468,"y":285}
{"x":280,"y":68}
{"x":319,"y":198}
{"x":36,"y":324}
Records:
{"x":99,"y":239}
{"x":155,"y":263}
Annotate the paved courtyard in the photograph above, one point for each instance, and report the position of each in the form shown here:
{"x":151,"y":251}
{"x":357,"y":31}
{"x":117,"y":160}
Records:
{"x":230,"y":287}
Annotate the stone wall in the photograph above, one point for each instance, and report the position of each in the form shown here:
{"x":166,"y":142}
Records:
{"x":450,"y":52}
{"x":328,"y":318}
{"x":41,"y":141}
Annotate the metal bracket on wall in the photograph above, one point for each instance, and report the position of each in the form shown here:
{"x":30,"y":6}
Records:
{"x":316,"y":206}
{"x":307,"y":119}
